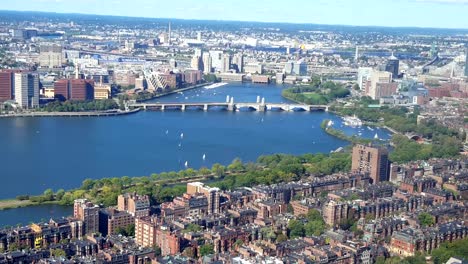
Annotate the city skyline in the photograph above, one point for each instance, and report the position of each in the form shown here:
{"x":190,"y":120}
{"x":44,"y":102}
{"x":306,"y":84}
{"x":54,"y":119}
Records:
{"x":416,"y":13}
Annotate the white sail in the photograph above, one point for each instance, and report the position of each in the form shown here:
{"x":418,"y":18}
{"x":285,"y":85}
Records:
{"x":204,"y":156}
{"x":182,"y":135}
{"x":186,"y":164}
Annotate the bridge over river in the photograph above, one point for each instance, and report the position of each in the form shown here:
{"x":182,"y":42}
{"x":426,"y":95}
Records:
{"x":229,"y":105}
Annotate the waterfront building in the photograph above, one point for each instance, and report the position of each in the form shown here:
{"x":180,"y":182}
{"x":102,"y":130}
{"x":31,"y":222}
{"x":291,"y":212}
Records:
{"x":50,"y":56}
{"x":76,"y":89}
{"x":134,"y":204}
{"x":7,"y":84}
{"x":102,"y":91}
{"x":231,"y":77}
{"x":207,"y":65}
{"x":393,"y":66}
{"x":26,"y":89}
{"x":88,"y":213}
{"x":253,"y":68}
{"x":192,"y":76}
{"x":371,"y":160}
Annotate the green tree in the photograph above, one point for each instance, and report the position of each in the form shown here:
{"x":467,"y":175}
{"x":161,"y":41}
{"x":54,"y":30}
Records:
{"x":296,"y":229}
{"x":206,"y":249}
{"x":281,"y":238}
{"x":236,"y":166}
{"x":192,"y":228}
{"x":425,"y":219}
{"x":59,"y":194}
{"x":49,"y":195}
{"x":218,"y":169}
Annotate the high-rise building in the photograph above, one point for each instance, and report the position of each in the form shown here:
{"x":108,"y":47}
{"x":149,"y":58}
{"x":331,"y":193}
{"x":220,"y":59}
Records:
{"x":334,"y":213}
{"x":288,"y":67}
{"x":393,"y":66}
{"x":356,"y":55}
{"x":216,"y":59}
{"x":226,"y":63}
{"x":199,"y":36}
{"x":364,"y":74}
{"x":212,"y":194}
{"x":26,"y":89}
{"x":50,"y":56}
{"x":87,"y":212}
{"x":296,"y":68}
{"x":377,"y":78}
{"x":169,"y":35}
{"x":7,"y":84}
{"x":466,"y":61}
{"x":238,"y":62}
{"x":134,"y":204}
{"x":371,"y":160}
{"x":207,"y":66}
{"x":145,"y":231}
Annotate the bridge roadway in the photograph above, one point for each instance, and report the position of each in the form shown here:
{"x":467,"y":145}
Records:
{"x":260,"y":107}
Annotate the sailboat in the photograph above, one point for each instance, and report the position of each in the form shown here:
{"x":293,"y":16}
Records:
{"x":376,"y":136}
{"x":167,"y":132}
{"x":204,"y":156}
{"x":182,"y":136}
{"x":186,"y":164}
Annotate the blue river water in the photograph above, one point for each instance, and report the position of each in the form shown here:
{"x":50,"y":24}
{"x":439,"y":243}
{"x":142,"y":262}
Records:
{"x":41,"y":153}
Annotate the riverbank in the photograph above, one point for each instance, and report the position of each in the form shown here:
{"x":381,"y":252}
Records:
{"x":341,"y":135}
{"x":14,"y":203}
{"x":73,"y":114}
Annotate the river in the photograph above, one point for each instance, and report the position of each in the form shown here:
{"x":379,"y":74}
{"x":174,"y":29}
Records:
{"x":57,"y":152}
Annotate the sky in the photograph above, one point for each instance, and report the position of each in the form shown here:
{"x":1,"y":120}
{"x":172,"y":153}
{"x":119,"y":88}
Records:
{"x":393,"y":13}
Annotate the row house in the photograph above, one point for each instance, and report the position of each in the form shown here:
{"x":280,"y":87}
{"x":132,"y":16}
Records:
{"x":410,"y":240}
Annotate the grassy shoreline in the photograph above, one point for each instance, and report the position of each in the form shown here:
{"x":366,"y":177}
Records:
{"x":6,"y":204}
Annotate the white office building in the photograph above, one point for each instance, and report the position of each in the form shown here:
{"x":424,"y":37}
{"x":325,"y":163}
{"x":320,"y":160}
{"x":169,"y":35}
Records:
{"x":27,"y":90}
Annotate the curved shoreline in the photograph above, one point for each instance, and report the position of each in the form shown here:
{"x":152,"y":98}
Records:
{"x":72,"y":114}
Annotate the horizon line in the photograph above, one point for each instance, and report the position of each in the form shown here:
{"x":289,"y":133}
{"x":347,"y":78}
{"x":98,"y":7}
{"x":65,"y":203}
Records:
{"x":242,"y":21}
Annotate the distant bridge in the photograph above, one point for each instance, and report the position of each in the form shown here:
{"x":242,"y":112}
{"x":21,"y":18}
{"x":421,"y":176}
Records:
{"x":229,"y":105}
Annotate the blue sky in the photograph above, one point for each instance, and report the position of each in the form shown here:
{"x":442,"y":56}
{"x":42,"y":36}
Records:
{"x":419,"y":13}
